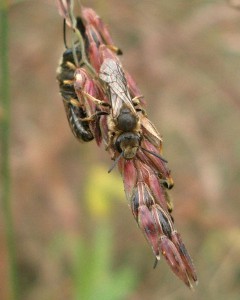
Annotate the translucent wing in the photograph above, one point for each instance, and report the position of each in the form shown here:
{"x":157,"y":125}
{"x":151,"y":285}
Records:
{"x":112,"y":73}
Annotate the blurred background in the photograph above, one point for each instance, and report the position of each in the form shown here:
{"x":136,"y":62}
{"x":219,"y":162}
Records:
{"x":75,"y":235}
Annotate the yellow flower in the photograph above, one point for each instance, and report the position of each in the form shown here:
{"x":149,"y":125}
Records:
{"x":102,"y":190}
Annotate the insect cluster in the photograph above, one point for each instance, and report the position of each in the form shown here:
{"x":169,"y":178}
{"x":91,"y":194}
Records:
{"x":103,"y":102}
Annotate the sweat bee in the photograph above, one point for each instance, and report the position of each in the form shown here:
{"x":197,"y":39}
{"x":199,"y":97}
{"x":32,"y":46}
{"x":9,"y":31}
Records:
{"x":123,"y":122}
{"x":127,"y":121}
{"x":75,"y":112}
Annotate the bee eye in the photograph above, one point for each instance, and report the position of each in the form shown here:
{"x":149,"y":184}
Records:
{"x":117,"y":144}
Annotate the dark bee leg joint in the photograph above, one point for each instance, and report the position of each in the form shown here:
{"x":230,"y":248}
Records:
{"x":115,"y":49}
{"x":141,"y":110}
{"x":94,"y":116}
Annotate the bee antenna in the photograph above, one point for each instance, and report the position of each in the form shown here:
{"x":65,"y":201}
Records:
{"x":64,"y":34}
{"x":115,"y":162}
{"x":155,"y":154}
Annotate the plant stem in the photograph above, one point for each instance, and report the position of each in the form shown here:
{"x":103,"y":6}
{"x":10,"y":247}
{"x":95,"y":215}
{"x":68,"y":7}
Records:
{"x":5,"y":162}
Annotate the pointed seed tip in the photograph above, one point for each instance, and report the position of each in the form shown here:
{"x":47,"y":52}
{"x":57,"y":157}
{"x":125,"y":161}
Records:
{"x":157,"y":259}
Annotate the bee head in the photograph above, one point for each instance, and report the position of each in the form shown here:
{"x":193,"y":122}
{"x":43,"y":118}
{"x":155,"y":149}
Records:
{"x":128,"y":143}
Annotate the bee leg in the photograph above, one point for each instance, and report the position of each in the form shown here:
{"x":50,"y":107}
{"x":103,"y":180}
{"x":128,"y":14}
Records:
{"x":136,"y":101}
{"x":115,"y":49}
{"x":75,"y":102}
{"x":109,"y":147}
{"x":96,"y":101}
{"x":111,"y":135}
{"x":101,"y":113}
{"x":141,"y":110}
{"x":94,"y":116}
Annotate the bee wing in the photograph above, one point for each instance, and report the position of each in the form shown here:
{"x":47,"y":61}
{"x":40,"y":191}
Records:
{"x":111,"y":72}
{"x":150,"y":132}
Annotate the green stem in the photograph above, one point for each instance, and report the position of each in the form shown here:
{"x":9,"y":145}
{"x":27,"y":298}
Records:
{"x":5,"y":164}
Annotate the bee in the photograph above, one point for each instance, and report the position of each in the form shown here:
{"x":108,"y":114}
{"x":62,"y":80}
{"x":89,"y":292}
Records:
{"x":123,"y":122}
{"x":126,"y":119}
{"x":75,"y":112}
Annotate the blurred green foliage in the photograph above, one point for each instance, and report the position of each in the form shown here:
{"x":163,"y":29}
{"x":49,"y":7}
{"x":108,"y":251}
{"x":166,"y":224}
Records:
{"x":94,"y":276}
{"x":93,"y":271}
